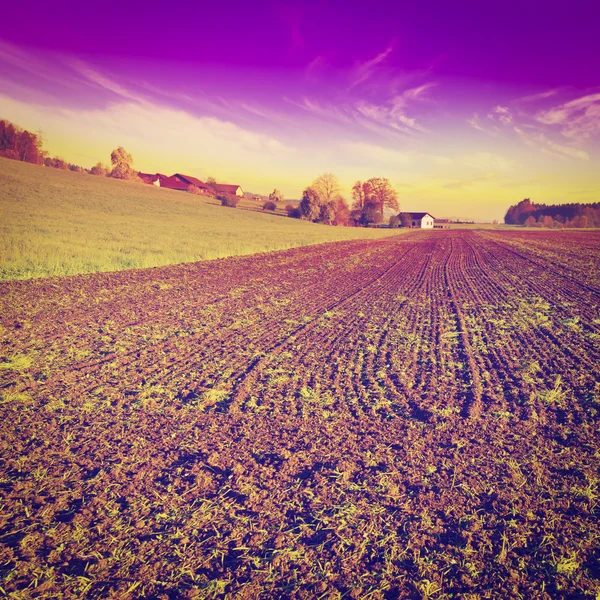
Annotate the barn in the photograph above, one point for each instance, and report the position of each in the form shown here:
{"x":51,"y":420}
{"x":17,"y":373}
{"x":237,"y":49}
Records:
{"x":421,"y":220}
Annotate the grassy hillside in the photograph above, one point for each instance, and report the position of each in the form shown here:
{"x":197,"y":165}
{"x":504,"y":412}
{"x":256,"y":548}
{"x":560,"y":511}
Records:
{"x":59,"y":223}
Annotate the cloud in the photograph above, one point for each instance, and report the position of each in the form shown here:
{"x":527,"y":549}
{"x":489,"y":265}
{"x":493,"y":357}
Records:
{"x":24,"y":61}
{"x":578,"y":120}
{"x":394,"y":113}
{"x":539,"y":96}
{"x":539,"y":140}
{"x":420,"y":92}
{"x":98,"y":80}
{"x":365,"y":70}
{"x":476,"y":123}
{"x":501,"y":114}
{"x":575,"y":121}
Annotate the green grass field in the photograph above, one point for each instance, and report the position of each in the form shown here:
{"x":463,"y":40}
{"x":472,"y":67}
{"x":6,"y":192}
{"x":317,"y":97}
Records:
{"x":60,"y":223}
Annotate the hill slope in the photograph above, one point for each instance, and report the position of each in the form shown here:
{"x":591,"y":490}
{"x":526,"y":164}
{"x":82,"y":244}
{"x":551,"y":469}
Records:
{"x":59,"y":223}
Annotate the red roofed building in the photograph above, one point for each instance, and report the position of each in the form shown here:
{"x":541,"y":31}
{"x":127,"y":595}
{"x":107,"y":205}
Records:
{"x":224,"y":188}
{"x":184,"y":183}
{"x":150,"y":179}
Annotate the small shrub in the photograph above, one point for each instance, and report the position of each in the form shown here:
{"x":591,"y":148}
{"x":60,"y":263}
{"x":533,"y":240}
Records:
{"x":293,"y":211}
{"x":228,"y":200}
{"x":269,"y":205}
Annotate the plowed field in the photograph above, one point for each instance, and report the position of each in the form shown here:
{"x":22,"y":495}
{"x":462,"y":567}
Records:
{"x":408,"y":417}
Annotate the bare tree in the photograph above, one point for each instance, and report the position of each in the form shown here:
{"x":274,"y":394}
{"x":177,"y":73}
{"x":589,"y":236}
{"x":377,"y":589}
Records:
{"x":327,"y":187}
{"x":360,"y":195}
{"x":382,"y":193}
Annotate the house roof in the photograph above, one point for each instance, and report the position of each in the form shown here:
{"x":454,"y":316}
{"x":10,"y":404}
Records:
{"x":226,"y":188}
{"x":148,"y":177}
{"x":151,"y":178}
{"x":416,"y":215}
{"x":174,"y":183}
{"x":191,"y":180}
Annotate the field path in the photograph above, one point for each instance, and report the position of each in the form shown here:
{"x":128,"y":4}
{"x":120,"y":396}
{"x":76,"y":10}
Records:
{"x":414,"y":416}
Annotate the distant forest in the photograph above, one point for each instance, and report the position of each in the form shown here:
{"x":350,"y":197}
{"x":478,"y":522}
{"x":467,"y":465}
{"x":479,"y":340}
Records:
{"x":531,"y":214}
{"x":20,"y":144}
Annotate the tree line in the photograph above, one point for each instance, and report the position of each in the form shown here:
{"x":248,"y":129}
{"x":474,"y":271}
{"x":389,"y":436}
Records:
{"x":19,"y":144}
{"x":575,"y":214}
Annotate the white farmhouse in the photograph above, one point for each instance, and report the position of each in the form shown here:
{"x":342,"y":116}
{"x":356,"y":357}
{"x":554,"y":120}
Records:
{"x":421,"y":220}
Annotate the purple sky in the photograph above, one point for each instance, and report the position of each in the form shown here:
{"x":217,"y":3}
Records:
{"x":461,"y":104}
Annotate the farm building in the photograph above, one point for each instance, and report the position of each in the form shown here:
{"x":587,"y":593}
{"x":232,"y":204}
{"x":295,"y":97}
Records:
{"x":441,"y":223}
{"x":421,"y":220}
{"x":184,"y":183}
{"x":225,"y":188}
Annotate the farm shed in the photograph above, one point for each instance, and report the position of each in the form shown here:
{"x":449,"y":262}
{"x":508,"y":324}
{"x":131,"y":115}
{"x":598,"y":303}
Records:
{"x":422,"y":220}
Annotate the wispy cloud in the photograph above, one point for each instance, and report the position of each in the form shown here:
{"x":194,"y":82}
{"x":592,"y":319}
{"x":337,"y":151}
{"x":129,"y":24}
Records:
{"x":537,"y":139}
{"x":539,"y":96}
{"x":24,"y":61}
{"x":476,"y":123}
{"x":578,"y":119}
{"x":559,"y":130}
{"x":99,"y":80}
{"x":364,"y":71}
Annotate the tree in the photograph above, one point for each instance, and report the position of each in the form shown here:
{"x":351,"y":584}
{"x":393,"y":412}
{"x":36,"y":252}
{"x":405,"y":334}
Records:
{"x":327,"y":213}
{"x":122,"y":163}
{"x":276,"y":196}
{"x":394,"y":221}
{"x":360,"y":198}
{"x":58,"y":163}
{"x":382,"y":193}
{"x":99,"y":169}
{"x":310,"y":205}
{"x":211,"y":180}
{"x":372,"y":214}
{"x":530,"y":221}
{"x":405,"y":220}
{"x":20,"y":144}
{"x":327,"y":187}
{"x":547,"y":221}
{"x":371,"y":198}
{"x":341,"y":211}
